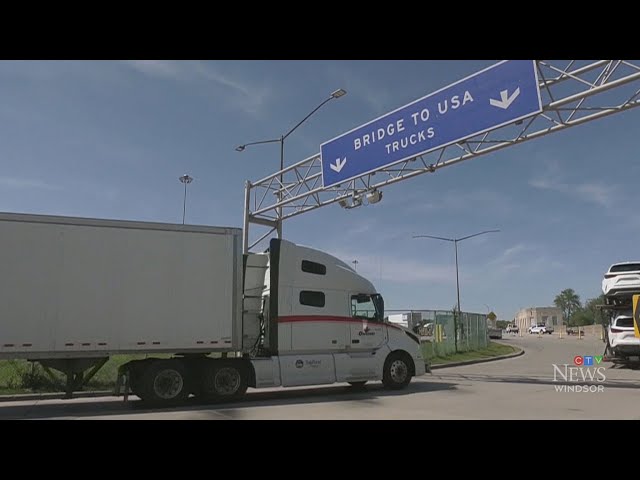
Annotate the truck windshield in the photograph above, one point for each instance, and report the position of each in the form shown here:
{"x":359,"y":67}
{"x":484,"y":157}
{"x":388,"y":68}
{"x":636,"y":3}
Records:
{"x":365,"y":306}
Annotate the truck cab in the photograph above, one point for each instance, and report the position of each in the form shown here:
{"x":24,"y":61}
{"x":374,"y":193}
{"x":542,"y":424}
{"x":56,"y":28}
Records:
{"x":322,"y":322}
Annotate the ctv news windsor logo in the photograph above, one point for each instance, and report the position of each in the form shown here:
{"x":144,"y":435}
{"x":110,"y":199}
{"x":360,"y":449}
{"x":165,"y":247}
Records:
{"x":585,"y":375}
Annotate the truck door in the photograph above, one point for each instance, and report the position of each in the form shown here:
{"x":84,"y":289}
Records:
{"x":368,"y":332}
{"x":313,"y":328}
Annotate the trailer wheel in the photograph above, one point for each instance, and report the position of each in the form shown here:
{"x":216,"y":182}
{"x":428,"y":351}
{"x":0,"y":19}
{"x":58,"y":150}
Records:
{"x":397,"y":371}
{"x":164,"y":382}
{"x":224,"y":381}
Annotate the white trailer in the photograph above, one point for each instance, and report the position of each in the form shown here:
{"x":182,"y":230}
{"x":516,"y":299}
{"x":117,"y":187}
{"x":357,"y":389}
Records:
{"x":76,"y":287}
{"x":77,"y":291}
{"x":409,"y":320}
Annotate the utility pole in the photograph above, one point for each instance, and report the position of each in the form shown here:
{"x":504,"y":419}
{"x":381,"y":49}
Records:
{"x":186,"y":180}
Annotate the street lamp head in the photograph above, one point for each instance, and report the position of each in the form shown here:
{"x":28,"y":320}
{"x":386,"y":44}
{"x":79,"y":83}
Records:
{"x":240,"y":148}
{"x":374,"y":196}
{"x":339,"y":93}
{"x":186,"y":179}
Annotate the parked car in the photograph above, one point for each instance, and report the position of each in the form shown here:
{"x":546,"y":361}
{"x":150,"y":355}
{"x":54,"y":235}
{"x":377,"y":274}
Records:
{"x":540,"y":329}
{"x":512,"y":329}
{"x":622,"y":338}
{"x":622,"y":278}
{"x":494,"y":333}
{"x":426,"y":330}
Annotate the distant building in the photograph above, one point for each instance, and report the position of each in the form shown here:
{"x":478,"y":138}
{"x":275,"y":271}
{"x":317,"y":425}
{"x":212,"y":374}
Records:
{"x":538,"y":316}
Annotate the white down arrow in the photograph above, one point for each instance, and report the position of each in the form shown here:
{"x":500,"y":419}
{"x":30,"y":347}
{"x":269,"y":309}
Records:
{"x":338,"y":165}
{"x":505,"y":100}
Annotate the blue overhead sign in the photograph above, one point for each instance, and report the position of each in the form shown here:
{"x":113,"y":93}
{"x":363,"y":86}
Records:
{"x":499,"y":95}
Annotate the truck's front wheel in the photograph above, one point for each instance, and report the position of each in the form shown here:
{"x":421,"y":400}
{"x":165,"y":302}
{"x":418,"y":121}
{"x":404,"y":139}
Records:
{"x":397,"y":371}
{"x":224,"y":381}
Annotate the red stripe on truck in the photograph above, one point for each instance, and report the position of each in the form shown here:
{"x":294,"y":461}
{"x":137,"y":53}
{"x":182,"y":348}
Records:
{"x":317,"y":318}
{"x":328,"y":318}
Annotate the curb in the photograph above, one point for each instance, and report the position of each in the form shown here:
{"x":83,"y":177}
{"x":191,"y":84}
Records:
{"x":479,"y":360}
{"x":20,"y":397}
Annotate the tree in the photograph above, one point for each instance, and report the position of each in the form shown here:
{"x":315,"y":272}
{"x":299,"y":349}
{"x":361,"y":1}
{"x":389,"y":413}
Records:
{"x":597,"y":314}
{"x":582,"y":317}
{"x":502,"y":324}
{"x":569,"y":302}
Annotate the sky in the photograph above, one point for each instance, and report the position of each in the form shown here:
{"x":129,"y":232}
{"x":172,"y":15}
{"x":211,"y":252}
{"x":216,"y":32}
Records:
{"x":109,"y":139}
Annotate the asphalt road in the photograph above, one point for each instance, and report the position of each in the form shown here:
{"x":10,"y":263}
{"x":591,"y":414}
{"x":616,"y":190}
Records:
{"x":518,"y":388}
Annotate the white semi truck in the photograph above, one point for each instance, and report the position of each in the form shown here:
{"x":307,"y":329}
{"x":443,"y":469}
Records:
{"x":76,"y":291}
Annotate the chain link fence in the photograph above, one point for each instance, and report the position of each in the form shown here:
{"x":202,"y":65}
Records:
{"x":436,"y":329}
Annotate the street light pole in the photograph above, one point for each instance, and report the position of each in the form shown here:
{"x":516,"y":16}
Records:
{"x":455,"y":244}
{"x":186,"y":180}
{"x":279,"y":223}
{"x":240,"y":148}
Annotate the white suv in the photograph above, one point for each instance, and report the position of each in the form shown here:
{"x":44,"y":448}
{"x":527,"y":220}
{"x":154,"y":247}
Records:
{"x":622,"y":337}
{"x":540,"y":329}
{"x":622,"y":278}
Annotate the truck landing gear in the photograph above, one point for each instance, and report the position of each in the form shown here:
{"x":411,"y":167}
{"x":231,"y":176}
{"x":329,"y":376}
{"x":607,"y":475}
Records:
{"x":75,"y":371}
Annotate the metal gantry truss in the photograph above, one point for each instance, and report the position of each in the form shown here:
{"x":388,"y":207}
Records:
{"x":573,"y":92}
